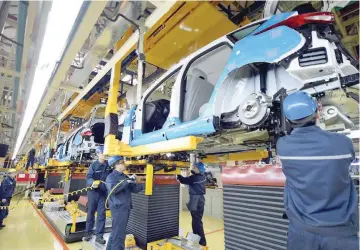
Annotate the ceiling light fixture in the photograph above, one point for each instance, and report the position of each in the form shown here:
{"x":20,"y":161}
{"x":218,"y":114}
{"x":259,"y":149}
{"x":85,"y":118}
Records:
{"x":60,"y":22}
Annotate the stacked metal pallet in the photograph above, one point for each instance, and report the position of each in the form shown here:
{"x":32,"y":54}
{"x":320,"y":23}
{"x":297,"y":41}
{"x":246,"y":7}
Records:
{"x":73,"y":185}
{"x":155,"y":217}
{"x":52,"y":181}
{"x":253,"y":217}
{"x":61,"y":222}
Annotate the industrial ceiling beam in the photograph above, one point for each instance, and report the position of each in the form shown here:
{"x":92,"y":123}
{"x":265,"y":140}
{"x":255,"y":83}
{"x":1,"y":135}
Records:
{"x":159,"y":12}
{"x":11,"y":22}
{"x":70,"y":88}
{"x":4,"y":9}
{"x":7,"y":110}
{"x":28,"y":36}
{"x":9,"y":72}
{"x":89,"y":19}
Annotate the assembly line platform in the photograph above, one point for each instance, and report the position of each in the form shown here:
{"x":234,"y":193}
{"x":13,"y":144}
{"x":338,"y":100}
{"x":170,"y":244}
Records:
{"x":62,"y":222}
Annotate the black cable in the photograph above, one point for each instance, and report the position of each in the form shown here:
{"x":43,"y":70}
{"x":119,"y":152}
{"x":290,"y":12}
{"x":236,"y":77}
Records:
{"x":11,"y":40}
{"x":117,"y":17}
{"x":23,"y":191}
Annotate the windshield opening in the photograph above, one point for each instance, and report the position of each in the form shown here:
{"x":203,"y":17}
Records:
{"x":240,"y":34}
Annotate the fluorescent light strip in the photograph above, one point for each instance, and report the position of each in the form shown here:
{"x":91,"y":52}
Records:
{"x":61,"y":19}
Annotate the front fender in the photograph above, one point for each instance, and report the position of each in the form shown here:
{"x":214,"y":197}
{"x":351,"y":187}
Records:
{"x":269,"y":47}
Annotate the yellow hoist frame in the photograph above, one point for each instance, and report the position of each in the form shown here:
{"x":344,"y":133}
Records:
{"x":166,"y":245}
{"x":149,"y":172}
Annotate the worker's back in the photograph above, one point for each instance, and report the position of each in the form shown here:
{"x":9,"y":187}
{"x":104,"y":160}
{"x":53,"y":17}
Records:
{"x":319,"y":193}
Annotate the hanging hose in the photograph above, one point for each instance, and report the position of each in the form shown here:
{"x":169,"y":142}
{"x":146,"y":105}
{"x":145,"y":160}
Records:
{"x":117,"y":17}
{"x":68,"y":194}
{"x":23,"y":191}
{"x":46,"y":199}
{"x":112,"y":190}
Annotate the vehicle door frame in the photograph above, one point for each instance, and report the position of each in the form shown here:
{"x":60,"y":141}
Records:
{"x":176,"y":97}
{"x":187,"y":67}
{"x":139,"y":112}
{"x":176,"y":100}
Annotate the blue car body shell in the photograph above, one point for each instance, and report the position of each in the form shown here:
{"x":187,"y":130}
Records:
{"x":271,"y":46}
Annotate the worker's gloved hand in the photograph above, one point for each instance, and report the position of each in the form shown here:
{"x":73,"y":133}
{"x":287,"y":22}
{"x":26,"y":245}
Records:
{"x":3,"y":200}
{"x":133,"y":177}
{"x":178,"y":176}
{"x":95,"y":184}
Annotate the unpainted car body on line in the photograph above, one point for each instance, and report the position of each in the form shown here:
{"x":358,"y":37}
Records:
{"x":230,"y":91}
{"x":80,"y":144}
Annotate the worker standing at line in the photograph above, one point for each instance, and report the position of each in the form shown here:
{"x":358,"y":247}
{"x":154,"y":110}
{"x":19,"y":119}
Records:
{"x":197,"y":190}
{"x":319,"y":196}
{"x":120,"y":187}
{"x":7,"y":162}
{"x":31,"y":159}
{"x":7,"y":189}
{"x":95,"y":177}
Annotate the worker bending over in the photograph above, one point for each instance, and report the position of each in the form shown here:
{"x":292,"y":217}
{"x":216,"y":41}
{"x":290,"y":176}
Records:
{"x":197,"y":189}
{"x":320,"y":197}
{"x":7,"y":189}
{"x":95,"y":177}
{"x":120,"y":187}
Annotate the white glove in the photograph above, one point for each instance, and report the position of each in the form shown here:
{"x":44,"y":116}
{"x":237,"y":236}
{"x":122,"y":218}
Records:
{"x":133,"y":177}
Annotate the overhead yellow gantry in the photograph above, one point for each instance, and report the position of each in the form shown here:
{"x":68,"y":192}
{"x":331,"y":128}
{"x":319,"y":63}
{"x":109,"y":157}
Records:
{"x":161,"y":50}
{"x":185,"y":28}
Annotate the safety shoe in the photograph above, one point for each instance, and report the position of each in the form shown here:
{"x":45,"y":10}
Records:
{"x":2,"y":226}
{"x":100,"y":240}
{"x":87,"y":236}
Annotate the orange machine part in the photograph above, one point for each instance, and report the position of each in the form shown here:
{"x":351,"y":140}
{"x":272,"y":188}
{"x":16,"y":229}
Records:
{"x":161,"y":179}
{"x":254,"y":175}
{"x":54,"y":174}
{"x":165,"y":179}
{"x":56,"y":191}
{"x":78,"y":176}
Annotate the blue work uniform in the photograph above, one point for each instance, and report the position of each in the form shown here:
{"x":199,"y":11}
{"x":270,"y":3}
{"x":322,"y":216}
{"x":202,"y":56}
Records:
{"x":197,"y":190}
{"x":31,"y":159}
{"x":120,"y":205}
{"x":7,"y":189}
{"x":320,"y":197}
{"x":96,"y":197}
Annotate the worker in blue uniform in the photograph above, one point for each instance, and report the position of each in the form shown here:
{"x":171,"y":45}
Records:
{"x":120,"y":186}
{"x":319,"y":196}
{"x":7,"y":189}
{"x":31,"y":159}
{"x":95,"y":178}
{"x":197,"y":190}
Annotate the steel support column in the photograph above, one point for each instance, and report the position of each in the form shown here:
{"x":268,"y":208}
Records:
{"x":111,"y":106}
{"x":141,"y":59}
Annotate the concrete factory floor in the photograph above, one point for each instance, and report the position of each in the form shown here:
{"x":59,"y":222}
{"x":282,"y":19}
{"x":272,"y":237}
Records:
{"x":26,"y":230}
